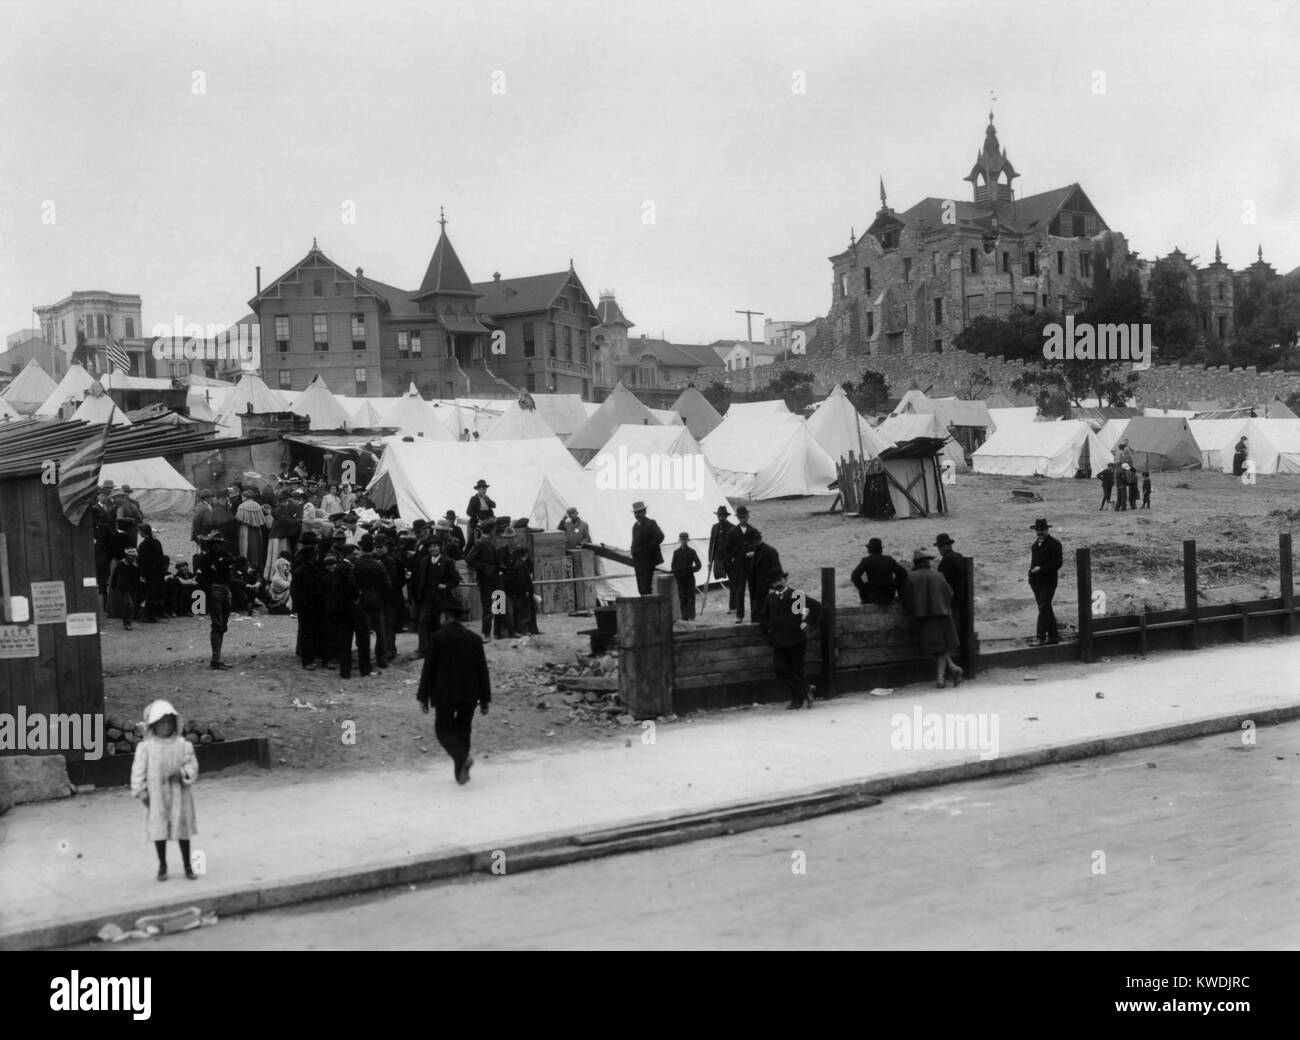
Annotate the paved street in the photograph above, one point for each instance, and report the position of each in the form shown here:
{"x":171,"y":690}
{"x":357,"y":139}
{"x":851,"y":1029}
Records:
{"x":1200,"y":843}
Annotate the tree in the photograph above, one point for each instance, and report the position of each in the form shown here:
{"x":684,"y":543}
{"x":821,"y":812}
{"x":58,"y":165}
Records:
{"x":1017,"y":337}
{"x":795,"y":388}
{"x":869,"y":393}
{"x":976,"y":386}
{"x":718,"y":395}
{"x":1175,"y":316}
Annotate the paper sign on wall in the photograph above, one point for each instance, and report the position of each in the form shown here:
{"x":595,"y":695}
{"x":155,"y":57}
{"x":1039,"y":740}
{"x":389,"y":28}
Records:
{"x":18,"y":641}
{"x":49,"y":602}
{"x":82,"y":624}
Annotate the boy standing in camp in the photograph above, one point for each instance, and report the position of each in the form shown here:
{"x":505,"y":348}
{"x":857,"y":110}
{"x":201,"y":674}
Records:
{"x":1107,"y":477}
{"x":163,"y":770}
{"x":1146,"y":489}
{"x":686,"y":561}
{"x":125,"y":584}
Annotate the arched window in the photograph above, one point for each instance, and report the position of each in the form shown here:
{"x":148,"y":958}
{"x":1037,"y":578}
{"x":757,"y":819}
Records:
{"x":316,"y":289}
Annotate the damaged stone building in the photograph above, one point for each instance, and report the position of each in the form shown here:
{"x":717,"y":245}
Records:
{"x":914,"y":279}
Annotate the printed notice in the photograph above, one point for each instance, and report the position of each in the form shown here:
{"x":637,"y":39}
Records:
{"x":82,"y":624}
{"x":18,"y":641}
{"x":49,"y":602}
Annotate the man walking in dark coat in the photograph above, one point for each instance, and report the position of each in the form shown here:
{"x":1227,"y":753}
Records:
{"x":763,"y":568}
{"x":307,"y":590}
{"x":646,"y":554}
{"x":685,"y":565}
{"x":737,"y":576}
{"x":952,"y":565}
{"x":394,"y":605}
{"x":786,"y":616}
{"x":153,"y":571}
{"x":878,"y":578}
{"x":339,"y":594}
{"x":1044,"y":565}
{"x":438,"y":581}
{"x":454,"y":679}
{"x":719,"y":535}
{"x":374,"y":591}
{"x":485,"y":561}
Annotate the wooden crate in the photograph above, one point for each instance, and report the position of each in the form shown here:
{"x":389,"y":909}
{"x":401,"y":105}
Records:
{"x":584,"y":566}
{"x":556,"y":599}
{"x":548,"y":545}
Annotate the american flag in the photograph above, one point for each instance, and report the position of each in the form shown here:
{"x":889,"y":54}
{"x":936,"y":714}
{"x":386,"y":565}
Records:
{"x":79,"y":474}
{"x":119,"y":360}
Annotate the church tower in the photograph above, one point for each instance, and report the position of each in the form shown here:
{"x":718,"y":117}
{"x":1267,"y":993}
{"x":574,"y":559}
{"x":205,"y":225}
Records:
{"x":990,"y":169}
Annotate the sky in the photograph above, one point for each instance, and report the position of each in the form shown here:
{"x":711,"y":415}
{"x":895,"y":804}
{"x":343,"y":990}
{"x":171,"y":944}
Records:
{"x":695,"y":157}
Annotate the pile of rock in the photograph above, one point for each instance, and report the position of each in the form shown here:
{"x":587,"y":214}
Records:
{"x":121,"y":737}
{"x":589,"y":686}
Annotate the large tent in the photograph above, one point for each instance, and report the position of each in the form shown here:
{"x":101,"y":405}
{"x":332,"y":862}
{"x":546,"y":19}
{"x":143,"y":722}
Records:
{"x":97,"y":409}
{"x":467,"y":415}
{"x":608,"y":512}
{"x":838,"y":428}
{"x":908,"y":426}
{"x":1161,"y":444}
{"x":519,"y":423}
{"x":1112,"y":432}
{"x":1057,"y":449}
{"x":29,"y":390}
{"x":967,"y":422}
{"x":155,"y":484}
{"x":564,"y":413}
{"x":698,"y":416}
{"x":742,"y":409}
{"x":620,"y":408}
{"x":72,"y":388}
{"x":1273,"y":445}
{"x":666,"y":416}
{"x":413,"y":416}
{"x":320,"y":405}
{"x":366,"y":416}
{"x":250,"y":390}
{"x":1007,"y":417}
{"x":1216,"y":439}
{"x":7,"y":414}
{"x":768,"y":455}
{"x":646,"y":443}
{"x":425,"y":479}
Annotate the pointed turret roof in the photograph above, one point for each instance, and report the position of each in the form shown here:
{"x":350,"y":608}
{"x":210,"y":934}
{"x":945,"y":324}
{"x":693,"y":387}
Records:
{"x":992,"y":159}
{"x":446,"y":274}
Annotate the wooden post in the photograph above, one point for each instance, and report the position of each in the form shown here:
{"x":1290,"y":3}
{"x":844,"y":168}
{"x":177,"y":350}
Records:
{"x":1288,"y":595}
{"x":1083,"y":570}
{"x":969,"y":644}
{"x":645,"y":655}
{"x":4,"y":577}
{"x":828,"y":640}
{"x":1189,"y":588}
{"x":666,"y":586}
{"x":1142,"y":632}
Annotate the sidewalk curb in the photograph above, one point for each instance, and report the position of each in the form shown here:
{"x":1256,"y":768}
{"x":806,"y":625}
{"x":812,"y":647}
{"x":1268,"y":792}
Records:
{"x":559,"y":848}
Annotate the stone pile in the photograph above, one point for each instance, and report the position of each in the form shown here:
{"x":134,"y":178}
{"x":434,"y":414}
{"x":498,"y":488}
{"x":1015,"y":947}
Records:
{"x":121,"y":736}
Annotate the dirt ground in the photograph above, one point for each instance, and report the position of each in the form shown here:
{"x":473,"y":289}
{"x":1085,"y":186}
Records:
{"x":1137,"y":558}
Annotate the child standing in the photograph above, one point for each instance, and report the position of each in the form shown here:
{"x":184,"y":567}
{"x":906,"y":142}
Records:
{"x":1107,"y":478}
{"x":162,"y":774}
{"x":124,"y":586}
{"x":686,"y":561}
{"x":1146,"y":489}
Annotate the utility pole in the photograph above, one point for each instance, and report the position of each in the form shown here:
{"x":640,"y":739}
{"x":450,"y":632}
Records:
{"x":749,"y":334}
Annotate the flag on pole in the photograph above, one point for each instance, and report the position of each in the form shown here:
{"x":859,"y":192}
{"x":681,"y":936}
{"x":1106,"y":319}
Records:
{"x":79,"y":474}
{"x":118,"y":359}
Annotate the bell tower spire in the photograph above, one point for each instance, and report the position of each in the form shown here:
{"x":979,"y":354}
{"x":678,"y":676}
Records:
{"x":992,"y":175}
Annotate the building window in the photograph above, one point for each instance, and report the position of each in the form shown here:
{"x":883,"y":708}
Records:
{"x":1030,"y":267}
{"x":1060,"y":261}
{"x":1221,"y":290}
{"x":1086,"y":303}
{"x":403,"y":346}
{"x":938,"y":346}
{"x":1044,"y":301}
{"x":530,"y":340}
{"x":359,"y":377}
{"x":974,"y":305}
{"x":130,"y":324}
{"x":647,"y":375}
{"x":844,"y":285}
{"x":358,"y":332}
{"x":316,"y":289}
{"x":568,"y":343}
{"x":1080,"y":226}
{"x":320,"y":330}
{"x":974,"y":261}
{"x":1002,"y":304}
{"x":1223,"y":326}
{"x":550,"y":340}
{"x":1085,"y":265}
{"x":582,"y":346}
{"x":1064,"y":308}
{"x":63,"y":330}
{"x":282,"y":333}
{"x":938,"y":310}
{"x":100,"y":323}
{"x":1006,"y":262}
{"x":934,"y":264}
{"x":866,"y":279}
{"x":286,"y":378}
{"x":907,"y":269}
{"x":871,"y":324}
{"x":530,"y":382}
{"x":417,"y":351}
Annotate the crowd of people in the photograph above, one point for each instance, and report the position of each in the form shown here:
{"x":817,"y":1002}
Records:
{"x":1122,"y":478}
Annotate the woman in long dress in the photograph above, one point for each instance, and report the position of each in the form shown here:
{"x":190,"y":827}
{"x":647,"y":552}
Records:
{"x":252,"y":530}
{"x":928,"y":598}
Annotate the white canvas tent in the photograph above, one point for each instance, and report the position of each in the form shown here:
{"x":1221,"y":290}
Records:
{"x":1273,"y":445}
{"x":412,"y":416}
{"x":910,"y":425}
{"x":1112,"y":433}
{"x":1004,"y":418}
{"x":838,"y":428}
{"x":29,"y":390}
{"x":1216,"y":439}
{"x":666,"y":416}
{"x":98,"y":409}
{"x":519,"y":424}
{"x":366,"y":416}
{"x":768,"y":455}
{"x":698,"y":416}
{"x":608,"y":512}
{"x":563,"y":413}
{"x":72,"y":388}
{"x":199,"y":409}
{"x":1045,"y":449}
{"x":250,"y":390}
{"x":646,"y":442}
{"x":746,"y":408}
{"x":319,"y":404}
{"x":7,"y":414}
{"x":620,"y":408}
{"x":477,"y":416}
{"x":155,"y":484}
{"x":425,"y":479}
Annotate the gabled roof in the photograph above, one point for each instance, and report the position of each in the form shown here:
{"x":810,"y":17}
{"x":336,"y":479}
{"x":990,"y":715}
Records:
{"x":445,"y":273}
{"x":503,"y":296}
{"x":400,"y":301}
{"x":316,"y":258}
{"x":609,"y":312}
{"x":678,"y":355}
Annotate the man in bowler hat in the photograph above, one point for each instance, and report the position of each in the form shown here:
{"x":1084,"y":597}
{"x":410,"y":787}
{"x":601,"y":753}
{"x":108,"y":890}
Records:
{"x":646,"y":554}
{"x":736,"y":561}
{"x":718,"y":536}
{"x":1044,"y":565}
{"x":879,"y":579}
{"x":952,"y":565}
{"x":455,"y":679}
